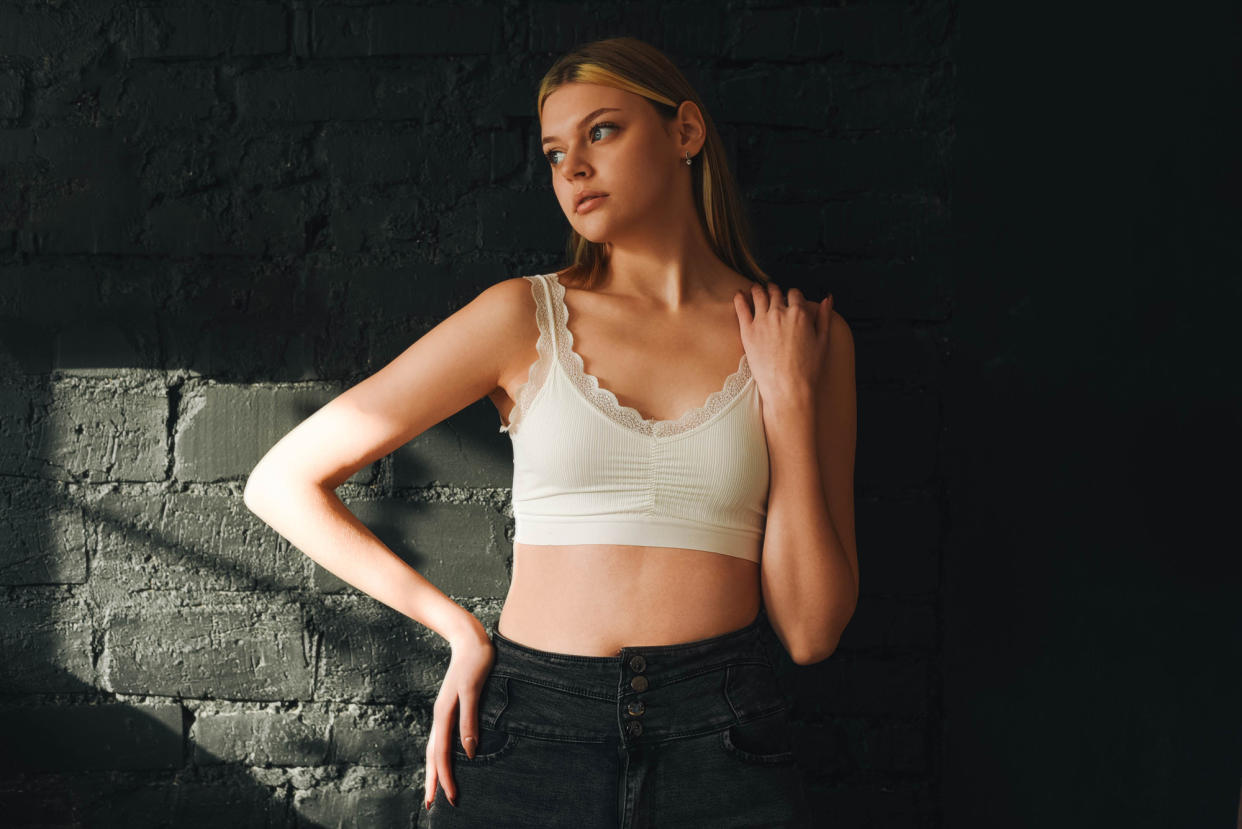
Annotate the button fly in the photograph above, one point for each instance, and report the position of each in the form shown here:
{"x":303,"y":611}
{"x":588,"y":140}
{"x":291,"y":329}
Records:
{"x":639,"y":683}
{"x":636,"y":707}
{"x":634,"y":728}
{"x":637,"y":662}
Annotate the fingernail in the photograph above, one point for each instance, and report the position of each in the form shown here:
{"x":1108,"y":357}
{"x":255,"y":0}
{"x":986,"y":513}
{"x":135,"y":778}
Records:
{"x":469,"y":744}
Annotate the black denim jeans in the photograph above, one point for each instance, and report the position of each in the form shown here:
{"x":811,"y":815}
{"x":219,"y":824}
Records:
{"x":695,"y":734}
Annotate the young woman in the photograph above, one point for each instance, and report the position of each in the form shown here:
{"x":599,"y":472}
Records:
{"x":683,"y":436}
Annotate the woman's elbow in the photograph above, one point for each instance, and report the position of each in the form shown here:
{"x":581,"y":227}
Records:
{"x":256,"y":485}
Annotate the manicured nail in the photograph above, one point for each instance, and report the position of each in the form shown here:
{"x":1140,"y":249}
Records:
{"x":469,"y":743}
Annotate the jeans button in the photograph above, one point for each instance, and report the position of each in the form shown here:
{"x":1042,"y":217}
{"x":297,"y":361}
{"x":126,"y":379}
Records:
{"x":637,"y":662}
{"x":634,"y":728}
{"x":636,"y":707}
{"x":639,"y":683}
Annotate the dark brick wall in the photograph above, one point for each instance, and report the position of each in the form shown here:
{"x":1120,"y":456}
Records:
{"x":215,"y":217}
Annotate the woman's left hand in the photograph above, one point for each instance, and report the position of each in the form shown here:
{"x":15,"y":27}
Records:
{"x":786,"y":342}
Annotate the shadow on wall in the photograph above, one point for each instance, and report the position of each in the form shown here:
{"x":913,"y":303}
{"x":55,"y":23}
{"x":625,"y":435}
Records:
{"x":169,"y":658}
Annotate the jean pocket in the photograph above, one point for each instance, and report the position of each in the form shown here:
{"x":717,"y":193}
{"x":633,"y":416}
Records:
{"x":493,"y":744}
{"x":753,"y":689}
{"x":766,"y":740}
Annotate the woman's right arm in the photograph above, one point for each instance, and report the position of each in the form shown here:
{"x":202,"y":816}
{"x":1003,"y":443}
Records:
{"x":293,"y":486}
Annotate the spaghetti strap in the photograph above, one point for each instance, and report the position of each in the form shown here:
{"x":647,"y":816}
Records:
{"x":548,"y":327}
{"x":546,"y":346}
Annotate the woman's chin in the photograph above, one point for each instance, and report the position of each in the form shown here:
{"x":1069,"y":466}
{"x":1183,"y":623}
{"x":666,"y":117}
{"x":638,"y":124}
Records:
{"x":590,"y":232}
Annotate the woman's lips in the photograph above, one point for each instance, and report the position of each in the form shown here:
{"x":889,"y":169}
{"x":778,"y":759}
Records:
{"x":589,"y":204}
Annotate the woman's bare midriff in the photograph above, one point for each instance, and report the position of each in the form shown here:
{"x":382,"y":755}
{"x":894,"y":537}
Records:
{"x":591,"y":600}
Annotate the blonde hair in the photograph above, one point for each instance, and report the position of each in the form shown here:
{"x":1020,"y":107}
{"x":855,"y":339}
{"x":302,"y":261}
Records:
{"x":635,"y":66}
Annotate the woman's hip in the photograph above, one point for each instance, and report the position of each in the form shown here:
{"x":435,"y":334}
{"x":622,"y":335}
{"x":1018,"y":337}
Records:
{"x":644,"y":695}
{"x":696,"y":733}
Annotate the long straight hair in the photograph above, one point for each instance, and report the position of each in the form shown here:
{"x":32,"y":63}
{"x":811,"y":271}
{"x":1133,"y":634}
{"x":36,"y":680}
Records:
{"x":633,"y":65}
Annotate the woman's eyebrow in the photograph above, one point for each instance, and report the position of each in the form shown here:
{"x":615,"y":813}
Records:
{"x":581,"y":123}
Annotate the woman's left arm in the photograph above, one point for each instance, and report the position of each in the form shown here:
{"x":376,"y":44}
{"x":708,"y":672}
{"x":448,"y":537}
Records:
{"x":810,"y":558}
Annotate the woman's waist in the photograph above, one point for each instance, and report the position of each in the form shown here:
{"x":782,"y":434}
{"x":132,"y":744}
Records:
{"x":640,"y":693}
{"x":598,"y":599}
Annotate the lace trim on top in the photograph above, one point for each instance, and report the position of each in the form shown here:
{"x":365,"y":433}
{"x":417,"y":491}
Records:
{"x":561,"y":350}
{"x":538,"y":372}
{"x":607,"y":402}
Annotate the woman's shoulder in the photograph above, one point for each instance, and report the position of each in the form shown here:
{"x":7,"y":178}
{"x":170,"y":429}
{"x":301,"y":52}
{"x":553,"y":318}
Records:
{"x":511,"y":302}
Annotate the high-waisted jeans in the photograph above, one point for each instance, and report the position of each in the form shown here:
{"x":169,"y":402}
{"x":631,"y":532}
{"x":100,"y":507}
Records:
{"x":694,"y":734}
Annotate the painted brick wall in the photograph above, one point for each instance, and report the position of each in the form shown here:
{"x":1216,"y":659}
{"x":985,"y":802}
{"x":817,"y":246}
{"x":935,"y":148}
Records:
{"x":216,"y":217}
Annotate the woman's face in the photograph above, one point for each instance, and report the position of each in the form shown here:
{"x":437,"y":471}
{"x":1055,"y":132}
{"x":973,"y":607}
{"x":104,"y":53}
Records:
{"x":625,"y":151}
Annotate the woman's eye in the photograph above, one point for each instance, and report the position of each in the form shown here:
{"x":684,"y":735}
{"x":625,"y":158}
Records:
{"x":602,"y":125}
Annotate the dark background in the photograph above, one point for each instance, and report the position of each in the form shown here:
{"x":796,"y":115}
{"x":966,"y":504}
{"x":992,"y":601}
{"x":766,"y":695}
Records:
{"x":214,"y":218}
{"x":1092,"y":622}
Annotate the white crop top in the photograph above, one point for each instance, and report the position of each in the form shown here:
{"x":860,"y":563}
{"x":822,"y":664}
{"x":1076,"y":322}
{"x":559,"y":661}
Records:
{"x":588,"y":470}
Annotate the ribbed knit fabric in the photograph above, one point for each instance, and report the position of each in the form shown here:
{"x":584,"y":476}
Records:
{"x":588,"y":470}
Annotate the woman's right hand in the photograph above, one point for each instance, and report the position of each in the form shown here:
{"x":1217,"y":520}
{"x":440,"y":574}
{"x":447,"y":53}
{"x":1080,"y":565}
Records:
{"x":458,"y":702}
